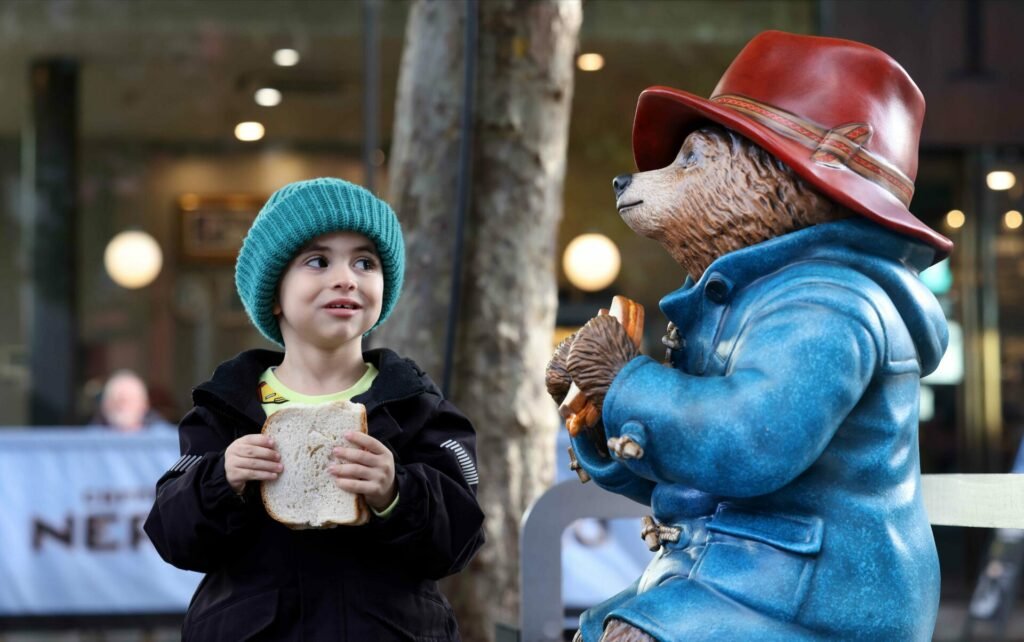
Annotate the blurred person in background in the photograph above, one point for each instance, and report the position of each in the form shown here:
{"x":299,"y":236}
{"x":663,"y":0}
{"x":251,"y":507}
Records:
{"x":124,"y":405}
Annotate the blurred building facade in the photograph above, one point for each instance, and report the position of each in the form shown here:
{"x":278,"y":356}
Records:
{"x":121,"y":116}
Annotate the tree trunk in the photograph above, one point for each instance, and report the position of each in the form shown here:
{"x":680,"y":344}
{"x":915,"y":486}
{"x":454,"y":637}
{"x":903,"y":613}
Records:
{"x":520,"y":129}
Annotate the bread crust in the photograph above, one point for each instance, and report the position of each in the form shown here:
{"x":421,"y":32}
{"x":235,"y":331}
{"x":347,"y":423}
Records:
{"x":362,"y":511}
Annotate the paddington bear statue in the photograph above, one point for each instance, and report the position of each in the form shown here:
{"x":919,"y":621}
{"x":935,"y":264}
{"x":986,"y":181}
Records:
{"x":778,"y":450}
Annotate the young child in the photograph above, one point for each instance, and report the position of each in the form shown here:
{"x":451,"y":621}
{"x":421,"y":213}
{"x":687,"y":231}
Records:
{"x":321,"y":266}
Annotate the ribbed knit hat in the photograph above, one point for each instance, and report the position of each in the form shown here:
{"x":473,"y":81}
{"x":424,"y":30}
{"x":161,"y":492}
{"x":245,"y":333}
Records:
{"x":295,"y":215}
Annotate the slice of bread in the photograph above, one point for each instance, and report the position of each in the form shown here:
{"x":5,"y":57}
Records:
{"x":304,"y":495}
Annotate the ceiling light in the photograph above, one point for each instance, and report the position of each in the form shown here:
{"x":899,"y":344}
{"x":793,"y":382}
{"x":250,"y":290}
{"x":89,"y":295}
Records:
{"x":268,"y":97}
{"x":591,"y":262}
{"x":286,"y":57}
{"x":249,"y":131}
{"x":590,"y":61}
{"x":1000,"y":181}
{"x":1013,"y":219}
{"x":133,"y":259}
{"x":955,"y":219}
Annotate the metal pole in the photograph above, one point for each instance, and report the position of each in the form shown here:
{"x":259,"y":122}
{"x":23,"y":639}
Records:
{"x":51,"y":292}
{"x":371,"y":91}
{"x":465,"y":181}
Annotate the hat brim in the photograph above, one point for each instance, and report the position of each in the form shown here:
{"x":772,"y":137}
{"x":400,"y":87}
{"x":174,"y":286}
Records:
{"x":666,"y":116}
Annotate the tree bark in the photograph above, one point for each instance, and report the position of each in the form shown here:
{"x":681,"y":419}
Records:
{"x":524,"y":86}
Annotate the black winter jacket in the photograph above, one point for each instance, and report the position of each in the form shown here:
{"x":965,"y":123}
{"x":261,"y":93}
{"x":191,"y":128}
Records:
{"x":375,"y":582}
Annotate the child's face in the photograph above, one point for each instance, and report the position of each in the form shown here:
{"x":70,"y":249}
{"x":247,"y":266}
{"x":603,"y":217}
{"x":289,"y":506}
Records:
{"x":331,"y":291}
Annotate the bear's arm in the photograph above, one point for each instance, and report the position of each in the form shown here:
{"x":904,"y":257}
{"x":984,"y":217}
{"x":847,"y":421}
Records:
{"x":610,"y":474}
{"x":796,"y":372}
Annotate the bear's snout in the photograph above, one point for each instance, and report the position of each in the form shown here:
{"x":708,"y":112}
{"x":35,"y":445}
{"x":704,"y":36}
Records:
{"x":620,"y":183}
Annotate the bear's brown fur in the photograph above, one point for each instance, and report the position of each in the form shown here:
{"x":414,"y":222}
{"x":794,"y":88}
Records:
{"x":721,"y":194}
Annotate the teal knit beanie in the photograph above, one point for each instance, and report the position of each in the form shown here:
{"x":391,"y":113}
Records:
{"x":295,"y":215}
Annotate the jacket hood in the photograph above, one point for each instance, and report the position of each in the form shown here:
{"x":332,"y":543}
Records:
{"x":891,"y":260}
{"x":894,"y":262}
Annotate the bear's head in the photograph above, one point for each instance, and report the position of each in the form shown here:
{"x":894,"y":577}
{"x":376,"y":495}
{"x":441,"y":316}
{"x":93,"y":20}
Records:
{"x":800,"y":130}
{"x":720,"y":194}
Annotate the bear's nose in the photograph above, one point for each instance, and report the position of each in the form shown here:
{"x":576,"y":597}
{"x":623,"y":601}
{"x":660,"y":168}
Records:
{"x":620,"y":183}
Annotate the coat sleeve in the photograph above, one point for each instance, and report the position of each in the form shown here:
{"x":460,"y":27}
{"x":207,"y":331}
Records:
{"x":196,"y":514}
{"x":437,"y":526}
{"x":610,"y":474}
{"x":794,"y":373}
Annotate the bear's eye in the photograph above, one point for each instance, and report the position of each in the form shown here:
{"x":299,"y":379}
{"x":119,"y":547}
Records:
{"x":687,"y":157}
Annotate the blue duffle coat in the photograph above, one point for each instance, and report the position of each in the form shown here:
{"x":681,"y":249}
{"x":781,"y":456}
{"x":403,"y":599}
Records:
{"x":783,"y":444}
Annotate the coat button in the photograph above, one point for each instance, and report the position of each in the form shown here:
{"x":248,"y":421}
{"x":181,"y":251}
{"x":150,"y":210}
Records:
{"x":716,"y":289}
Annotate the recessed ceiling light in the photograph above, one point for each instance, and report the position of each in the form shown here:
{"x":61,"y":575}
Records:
{"x":268,"y":97}
{"x":286,"y":57}
{"x":1000,"y":181}
{"x":249,"y":131}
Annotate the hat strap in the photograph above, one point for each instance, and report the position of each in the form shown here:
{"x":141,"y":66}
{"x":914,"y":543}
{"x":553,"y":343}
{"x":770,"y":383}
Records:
{"x":841,"y":146}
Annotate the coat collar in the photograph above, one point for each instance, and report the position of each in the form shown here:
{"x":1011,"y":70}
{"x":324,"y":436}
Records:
{"x":234,"y":382}
{"x":399,"y":378}
{"x":855,"y":239}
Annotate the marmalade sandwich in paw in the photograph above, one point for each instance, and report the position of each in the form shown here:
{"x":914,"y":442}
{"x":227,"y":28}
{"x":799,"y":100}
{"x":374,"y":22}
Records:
{"x":304,"y":495}
{"x":579,"y":412}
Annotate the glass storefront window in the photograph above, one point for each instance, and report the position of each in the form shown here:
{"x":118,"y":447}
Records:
{"x":160,"y":89}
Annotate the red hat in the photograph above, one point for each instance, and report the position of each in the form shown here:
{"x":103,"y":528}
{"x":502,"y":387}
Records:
{"x":844,"y":116}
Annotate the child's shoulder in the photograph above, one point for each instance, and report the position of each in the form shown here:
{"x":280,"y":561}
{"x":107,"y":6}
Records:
{"x":386,"y":358}
{"x":240,"y":374}
{"x":399,"y":374}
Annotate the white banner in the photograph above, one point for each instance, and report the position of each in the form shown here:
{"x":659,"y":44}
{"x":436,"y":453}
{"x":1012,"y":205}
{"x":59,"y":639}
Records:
{"x":73,"y":503}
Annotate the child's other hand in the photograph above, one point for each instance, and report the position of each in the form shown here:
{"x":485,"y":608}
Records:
{"x":250,"y":458}
{"x":366,"y":467}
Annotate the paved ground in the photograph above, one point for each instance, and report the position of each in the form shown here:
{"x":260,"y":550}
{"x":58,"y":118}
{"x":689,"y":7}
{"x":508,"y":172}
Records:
{"x":950,"y":627}
{"x":952,"y":620}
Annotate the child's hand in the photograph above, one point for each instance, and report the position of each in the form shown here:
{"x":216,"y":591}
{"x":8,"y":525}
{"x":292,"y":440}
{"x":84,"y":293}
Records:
{"x":366,"y":467}
{"x":250,"y":458}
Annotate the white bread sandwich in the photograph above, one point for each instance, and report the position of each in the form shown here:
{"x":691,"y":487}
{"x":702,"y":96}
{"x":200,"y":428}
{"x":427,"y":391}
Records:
{"x":304,"y":495}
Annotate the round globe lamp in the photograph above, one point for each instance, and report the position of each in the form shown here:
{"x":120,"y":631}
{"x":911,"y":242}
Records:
{"x":133,"y":259}
{"x":591,"y":262}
